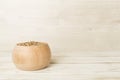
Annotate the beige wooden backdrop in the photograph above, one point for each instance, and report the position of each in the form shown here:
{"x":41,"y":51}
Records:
{"x":78,"y":25}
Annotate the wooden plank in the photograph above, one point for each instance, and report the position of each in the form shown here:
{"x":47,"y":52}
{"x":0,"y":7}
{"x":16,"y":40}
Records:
{"x":76,"y":54}
{"x":56,"y":77}
{"x":9,"y":68}
{"x":69,"y":76}
{"x":72,"y":60}
{"x":88,"y":54}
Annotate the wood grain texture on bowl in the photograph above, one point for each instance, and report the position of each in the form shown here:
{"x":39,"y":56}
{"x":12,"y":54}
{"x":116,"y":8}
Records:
{"x":31,"y":55}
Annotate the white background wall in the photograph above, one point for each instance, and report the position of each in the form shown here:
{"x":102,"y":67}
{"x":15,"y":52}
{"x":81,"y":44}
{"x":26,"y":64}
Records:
{"x":86,"y":25}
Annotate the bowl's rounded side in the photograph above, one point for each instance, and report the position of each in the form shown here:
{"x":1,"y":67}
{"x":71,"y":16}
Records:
{"x":31,"y":57}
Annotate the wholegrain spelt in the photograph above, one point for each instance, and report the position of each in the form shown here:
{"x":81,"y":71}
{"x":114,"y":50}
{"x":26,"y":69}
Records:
{"x":30,"y":43}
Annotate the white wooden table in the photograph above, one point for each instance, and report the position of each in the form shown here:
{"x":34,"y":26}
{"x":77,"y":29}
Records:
{"x":67,"y":66}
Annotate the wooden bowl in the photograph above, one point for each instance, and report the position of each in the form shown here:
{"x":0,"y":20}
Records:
{"x":31,"y":55}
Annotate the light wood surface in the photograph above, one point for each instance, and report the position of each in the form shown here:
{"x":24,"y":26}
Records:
{"x":67,"y":25}
{"x":64,"y":24}
{"x":67,"y":66}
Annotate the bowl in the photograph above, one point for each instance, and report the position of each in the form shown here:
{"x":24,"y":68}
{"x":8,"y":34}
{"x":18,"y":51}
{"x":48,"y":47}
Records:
{"x":31,"y":55}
